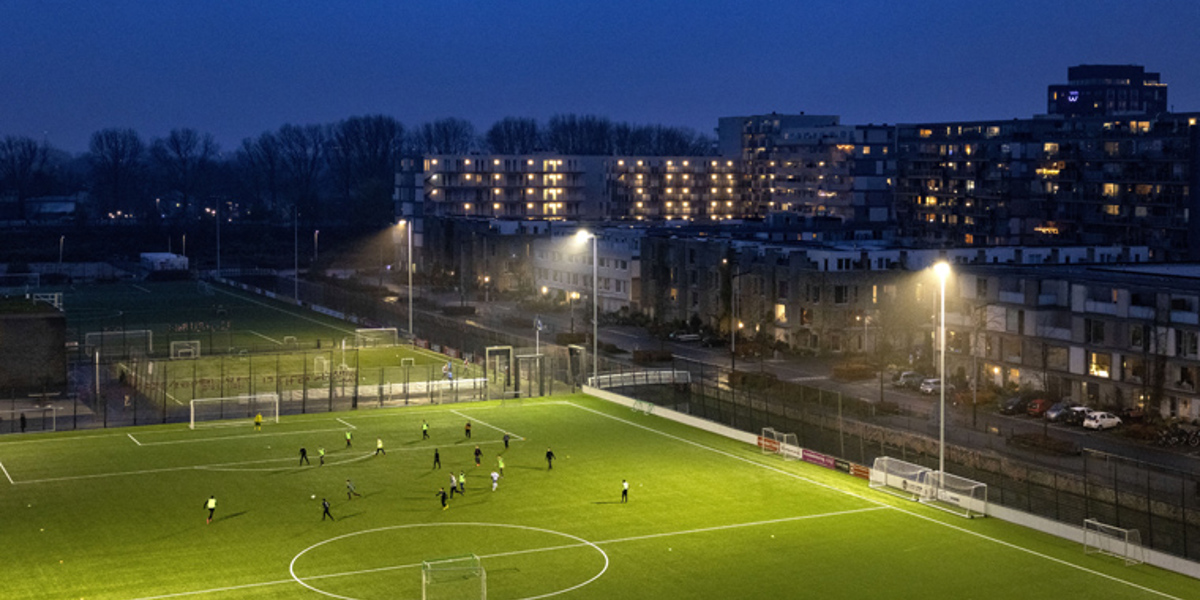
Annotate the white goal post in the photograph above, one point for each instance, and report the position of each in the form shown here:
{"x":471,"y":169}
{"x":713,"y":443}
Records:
{"x":453,"y":578}
{"x":120,"y":342}
{"x":185,"y":349}
{"x":781,"y":443}
{"x":233,"y":410}
{"x":948,"y":492}
{"x":37,"y":419}
{"x":1100,"y":538}
{"x":380,"y":337}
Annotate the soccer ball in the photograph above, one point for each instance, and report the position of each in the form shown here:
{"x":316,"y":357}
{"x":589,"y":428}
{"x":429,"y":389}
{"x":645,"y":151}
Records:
{"x":314,"y":496}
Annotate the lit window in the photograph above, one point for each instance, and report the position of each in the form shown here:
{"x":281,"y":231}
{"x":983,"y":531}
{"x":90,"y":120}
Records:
{"x":467,"y":206}
{"x":467,"y":161}
{"x":685,"y":163}
{"x":495,"y":161}
{"x":496,"y":206}
{"x":496,"y":191}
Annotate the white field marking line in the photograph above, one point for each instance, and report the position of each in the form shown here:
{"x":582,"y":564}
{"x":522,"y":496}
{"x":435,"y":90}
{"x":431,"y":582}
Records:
{"x":276,"y":308}
{"x":486,"y":424}
{"x":10,"y":481}
{"x":138,"y":287}
{"x":269,"y":339}
{"x":100,"y":436}
{"x":134,"y":439}
{"x":905,"y":511}
{"x":332,"y":463}
{"x":543,"y":549}
{"x":216,"y":590}
{"x":237,"y":437}
{"x":217,"y":466}
{"x":343,"y":422}
{"x":173,"y":398}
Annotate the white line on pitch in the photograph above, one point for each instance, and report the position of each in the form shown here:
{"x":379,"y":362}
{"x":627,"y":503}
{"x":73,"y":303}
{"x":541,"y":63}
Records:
{"x":276,"y":308}
{"x":486,"y":424}
{"x":269,"y":339}
{"x":138,"y":287}
{"x":217,"y":466}
{"x":6,"y":474}
{"x":134,"y":439}
{"x":345,"y":423}
{"x":896,"y":508}
{"x":238,"y":437}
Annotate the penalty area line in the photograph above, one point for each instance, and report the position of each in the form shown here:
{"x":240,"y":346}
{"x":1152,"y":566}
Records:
{"x":339,"y":420}
{"x":6,"y":475}
{"x":269,"y":339}
{"x":134,"y":439}
{"x":486,"y":424}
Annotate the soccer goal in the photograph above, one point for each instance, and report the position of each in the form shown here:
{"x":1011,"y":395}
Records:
{"x":768,"y":441}
{"x":1100,"y":538}
{"x":955,"y":494}
{"x":321,"y":366}
{"x":185,"y":349}
{"x":376,"y":338}
{"x":898,"y":478}
{"x":119,"y":343}
{"x":643,"y":406}
{"x":453,"y":578}
{"x":38,"y":419}
{"x":233,"y":411}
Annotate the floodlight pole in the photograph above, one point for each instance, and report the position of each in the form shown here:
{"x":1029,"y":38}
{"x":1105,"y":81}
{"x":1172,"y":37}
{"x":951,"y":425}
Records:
{"x":408,"y":226}
{"x":943,"y":271}
{"x":595,"y":306}
{"x":295,"y":254}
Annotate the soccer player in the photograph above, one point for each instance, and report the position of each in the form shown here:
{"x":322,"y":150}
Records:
{"x":321,"y":454}
{"x":348,"y":438}
{"x":506,"y":441}
{"x":462,"y":482}
{"x":500,"y":464}
{"x":478,"y":455}
{"x":379,"y":447}
{"x":437,"y":459}
{"x":624,"y":491}
{"x":468,"y":430}
{"x":258,"y":422}
{"x":424,"y":430}
{"x":453,"y":484}
{"x":495,"y":480}
{"x":325,"y":508}
{"x":211,"y":505}
{"x":549,"y":459}
{"x":442,"y":493}
{"x":350,"y":491}
{"x":304,"y":455}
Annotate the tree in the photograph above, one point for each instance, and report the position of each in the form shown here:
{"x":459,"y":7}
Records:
{"x":362,"y":156}
{"x":445,"y":136}
{"x":512,"y":135}
{"x":22,"y":162}
{"x":260,"y":161}
{"x":182,"y":160}
{"x":302,"y":160}
{"x":573,"y":134}
{"x":117,"y":161}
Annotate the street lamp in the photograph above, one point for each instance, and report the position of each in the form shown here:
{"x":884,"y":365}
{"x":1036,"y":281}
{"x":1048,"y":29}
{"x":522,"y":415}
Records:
{"x":316,"y":246}
{"x":573,"y":296}
{"x":942,"y":270}
{"x":407,"y":225}
{"x":61,"y":240}
{"x":582,"y":236}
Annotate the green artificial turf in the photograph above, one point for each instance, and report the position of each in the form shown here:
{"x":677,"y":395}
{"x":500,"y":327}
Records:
{"x":119,"y":514}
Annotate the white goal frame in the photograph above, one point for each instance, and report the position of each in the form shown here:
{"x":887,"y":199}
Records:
{"x":137,"y":336}
{"x":376,"y":337}
{"x":954,"y":494}
{"x":899,"y":478}
{"x":1125,"y":544}
{"x":186,"y":349}
{"x":233,"y":410}
{"x":10,"y":419}
{"x":457,"y":574}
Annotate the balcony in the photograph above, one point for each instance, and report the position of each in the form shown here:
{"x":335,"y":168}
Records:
{"x":1186,"y":317}
{"x":1102,"y":307}
{"x":1012,"y":297}
{"x":1141,"y":312}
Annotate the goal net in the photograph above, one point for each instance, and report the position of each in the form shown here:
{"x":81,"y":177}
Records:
{"x":37,"y":419}
{"x":1100,"y":538}
{"x":955,"y":494}
{"x":768,"y":441}
{"x":453,"y":578}
{"x":898,"y":478}
{"x":376,"y":338}
{"x":119,"y":343}
{"x":233,"y":411}
{"x":185,"y":349}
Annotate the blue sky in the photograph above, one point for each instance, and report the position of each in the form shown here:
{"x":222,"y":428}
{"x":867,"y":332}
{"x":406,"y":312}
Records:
{"x":237,"y":68}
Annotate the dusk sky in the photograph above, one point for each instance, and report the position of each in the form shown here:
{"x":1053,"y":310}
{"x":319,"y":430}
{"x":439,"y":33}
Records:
{"x":237,"y":68}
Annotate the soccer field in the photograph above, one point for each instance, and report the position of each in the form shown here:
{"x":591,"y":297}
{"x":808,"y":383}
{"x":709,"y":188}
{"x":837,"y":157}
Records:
{"x":119,"y":514}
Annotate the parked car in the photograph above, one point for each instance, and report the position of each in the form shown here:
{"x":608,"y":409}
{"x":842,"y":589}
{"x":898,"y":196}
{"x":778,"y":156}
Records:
{"x":1038,"y":407}
{"x":909,"y":379}
{"x":1014,"y":406}
{"x":930,"y":387}
{"x":683,"y":336}
{"x":1076,"y":415}
{"x":1057,"y":413}
{"x":1101,"y":420}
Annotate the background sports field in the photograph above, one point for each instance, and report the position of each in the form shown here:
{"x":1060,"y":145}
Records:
{"x":119,"y":514}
